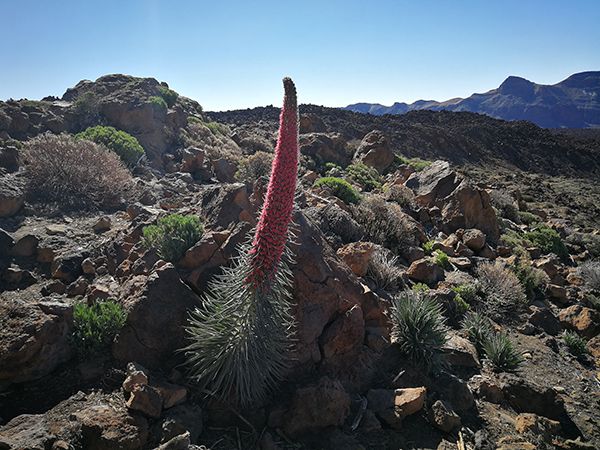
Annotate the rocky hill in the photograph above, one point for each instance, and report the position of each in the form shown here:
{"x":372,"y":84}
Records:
{"x":571,"y":103}
{"x":445,"y":286}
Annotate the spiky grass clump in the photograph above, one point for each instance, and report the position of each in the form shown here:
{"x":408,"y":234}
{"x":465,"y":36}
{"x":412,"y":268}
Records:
{"x":577,"y":345}
{"x":384,"y":272}
{"x":501,"y":353}
{"x":501,"y":289}
{"x":418,"y":328}
{"x":478,"y":328}
{"x":239,"y":340}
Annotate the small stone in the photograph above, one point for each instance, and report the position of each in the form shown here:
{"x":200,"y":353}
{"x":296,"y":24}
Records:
{"x":426,"y":271}
{"x":443,"y":416}
{"x":145,"y":399}
{"x":392,"y":406}
{"x":585,"y":321}
{"x":103,"y":224}
{"x":474,"y":239}
{"x":532,"y":423}
{"x":136,"y":376}
{"x":88,"y":266}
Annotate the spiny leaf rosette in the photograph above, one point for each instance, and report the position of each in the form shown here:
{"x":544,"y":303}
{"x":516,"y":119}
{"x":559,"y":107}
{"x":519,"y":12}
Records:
{"x":240,"y":338}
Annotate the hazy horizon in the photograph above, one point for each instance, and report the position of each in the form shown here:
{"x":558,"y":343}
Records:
{"x":233,"y":55}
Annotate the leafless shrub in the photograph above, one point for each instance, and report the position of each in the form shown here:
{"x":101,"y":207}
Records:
{"x":75,"y":173}
{"x":384,"y":272}
{"x":398,"y":193}
{"x":216,"y":141}
{"x":384,"y":223}
{"x":502,"y":290}
{"x":254,"y":167}
{"x":590,"y":272}
{"x":337,"y":224}
{"x":505,"y":204}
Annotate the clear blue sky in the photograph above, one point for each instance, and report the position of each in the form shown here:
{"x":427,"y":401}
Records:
{"x":232,"y":54}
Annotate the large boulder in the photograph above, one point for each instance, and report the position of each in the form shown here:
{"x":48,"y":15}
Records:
{"x":157,"y":308}
{"x":325,"y":147}
{"x":93,"y":422}
{"x":374,"y":150}
{"x":462,"y":205}
{"x":34,"y":335}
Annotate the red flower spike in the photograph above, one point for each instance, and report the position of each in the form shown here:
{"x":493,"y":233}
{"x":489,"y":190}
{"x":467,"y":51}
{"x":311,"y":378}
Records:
{"x":272,"y":229}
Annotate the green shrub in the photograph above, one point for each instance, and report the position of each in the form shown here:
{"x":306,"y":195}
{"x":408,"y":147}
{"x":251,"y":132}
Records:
{"x":95,"y":326}
{"x":527,"y":218}
{"x":123,"y":144}
{"x":173,"y":235}
{"x":577,"y":345}
{"x":417,"y":164}
{"x":501,"y":352}
{"x":418,"y":327}
{"x":441,"y":259}
{"x":533,"y":280}
{"x":461,"y":305}
{"x":548,"y":240}
{"x":478,"y":329}
{"x":340,"y":188}
{"x":468,"y":292}
{"x":216,"y":128}
{"x":87,"y":109}
{"x":428,"y":247}
{"x":169,"y":96}
{"x":398,"y":193}
{"x":366,"y":176}
{"x":331,"y":166}
{"x":158,"y":102}
{"x":420,"y":288}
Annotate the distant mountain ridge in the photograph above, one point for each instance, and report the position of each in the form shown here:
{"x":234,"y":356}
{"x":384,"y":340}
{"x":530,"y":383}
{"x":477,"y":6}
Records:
{"x":571,"y":103}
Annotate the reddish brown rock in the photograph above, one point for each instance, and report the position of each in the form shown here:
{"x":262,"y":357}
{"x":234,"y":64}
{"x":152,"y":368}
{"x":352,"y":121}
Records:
{"x":145,"y":399}
{"x":585,"y":321}
{"x":443,"y":416}
{"x":357,"y":256}
{"x":374,"y":151}
{"x":392,"y":406}
{"x":426,"y":271}
{"x":345,"y":334}
{"x":538,"y":425}
{"x":474,"y":239}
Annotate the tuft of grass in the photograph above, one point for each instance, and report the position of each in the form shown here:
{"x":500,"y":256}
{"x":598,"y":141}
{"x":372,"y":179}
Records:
{"x":158,"y":102}
{"x":95,"y":326}
{"x":428,"y":247}
{"x":468,"y":292}
{"x":418,"y":328}
{"x":577,"y":345}
{"x":527,"y":218}
{"x":501,"y":290}
{"x":339,"y":188}
{"x":478,"y":328}
{"x":216,"y":128}
{"x":173,"y":235}
{"x":501,"y":352}
{"x":420,"y":288}
{"x":533,"y":280}
{"x":383,"y":270}
{"x":417,"y":164}
{"x":441,"y":259}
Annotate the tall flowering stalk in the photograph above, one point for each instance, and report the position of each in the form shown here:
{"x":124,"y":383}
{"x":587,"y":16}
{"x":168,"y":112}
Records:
{"x":240,"y":338}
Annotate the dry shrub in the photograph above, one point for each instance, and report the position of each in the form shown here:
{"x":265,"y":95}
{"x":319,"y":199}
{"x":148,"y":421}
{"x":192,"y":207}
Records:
{"x":337,"y":224}
{"x":503,"y":292}
{"x":398,"y":193}
{"x":217,"y":143}
{"x":590,"y":272}
{"x":505,"y":204}
{"x":75,"y":173}
{"x":254,"y":167}
{"x":385,"y":223}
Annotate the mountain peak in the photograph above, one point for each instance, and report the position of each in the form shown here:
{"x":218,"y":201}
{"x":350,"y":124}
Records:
{"x":516,"y":86}
{"x":583,"y":80}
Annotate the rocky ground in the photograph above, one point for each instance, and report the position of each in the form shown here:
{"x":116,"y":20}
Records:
{"x":350,"y":386}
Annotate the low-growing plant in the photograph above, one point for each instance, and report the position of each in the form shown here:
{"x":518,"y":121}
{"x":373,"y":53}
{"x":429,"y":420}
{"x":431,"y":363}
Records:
{"x":501,"y":353}
{"x":441,"y":259}
{"x":173,"y":235}
{"x":385,"y":223}
{"x":216,"y":128}
{"x":158,"y":102}
{"x":478,"y":329}
{"x":339,"y":188}
{"x":548,"y":240}
{"x":366,"y":176}
{"x":505,"y":204}
{"x":95,"y":326}
{"x":528,"y":218}
{"x":398,"y":193}
{"x":87,"y":109}
{"x":383,"y":270}
{"x":468,"y":292}
{"x":123,"y":144}
{"x":501,"y":289}
{"x":577,"y":345}
{"x":417,"y":164}
{"x":169,"y":95}
{"x":421,"y":288}
{"x":75,"y":173}
{"x":461,"y":305}
{"x":428,"y":247}
{"x":254,"y":167}
{"x":418,"y":328}
{"x":533,"y":280}
{"x":331,"y":166}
